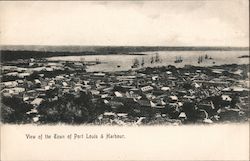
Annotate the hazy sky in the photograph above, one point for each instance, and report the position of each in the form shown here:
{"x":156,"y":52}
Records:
{"x":178,"y":23}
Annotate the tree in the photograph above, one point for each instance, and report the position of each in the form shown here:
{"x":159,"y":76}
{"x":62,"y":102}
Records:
{"x":14,"y":110}
{"x":70,"y":109}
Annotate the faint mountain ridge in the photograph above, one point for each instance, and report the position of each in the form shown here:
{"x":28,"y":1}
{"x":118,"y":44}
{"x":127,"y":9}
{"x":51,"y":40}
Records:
{"x":46,"y":48}
{"x":78,"y":48}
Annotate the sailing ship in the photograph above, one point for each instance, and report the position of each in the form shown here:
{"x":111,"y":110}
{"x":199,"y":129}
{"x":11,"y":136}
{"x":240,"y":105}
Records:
{"x":136,"y":63}
{"x":178,"y":59}
{"x":97,"y":61}
{"x":157,"y":58}
{"x":208,"y":57}
{"x":83,"y":61}
{"x":200,"y":59}
{"x":152,"y":60}
{"x":142,"y":62}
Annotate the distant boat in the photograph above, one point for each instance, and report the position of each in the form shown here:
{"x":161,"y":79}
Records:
{"x":200,"y":59}
{"x":244,"y":56}
{"x":135,"y":63}
{"x":82,"y":60}
{"x":97,"y":61}
{"x":157,"y":58}
{"x":206,"y":56}
{"x":142,"y":62}
{"x":178,"y":59}
{"x":152,"y":60}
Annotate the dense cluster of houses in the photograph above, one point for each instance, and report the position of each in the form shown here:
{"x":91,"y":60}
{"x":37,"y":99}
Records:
{"x":159,"y":95}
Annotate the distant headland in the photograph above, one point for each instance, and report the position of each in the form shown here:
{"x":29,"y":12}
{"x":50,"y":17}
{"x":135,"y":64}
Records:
{"x":14,"y":52}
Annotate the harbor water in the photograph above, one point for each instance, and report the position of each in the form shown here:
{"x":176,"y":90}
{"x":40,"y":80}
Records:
{"x":121,"y":62}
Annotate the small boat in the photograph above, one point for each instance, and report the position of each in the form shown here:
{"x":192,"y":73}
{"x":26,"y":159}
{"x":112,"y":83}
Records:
{"x":178,"y":60}
{"x":142,"y":62}
{"x":97,"y":61}
{"x":157,"y":58}
{"x":200,"y":59}
{"x":135,"y":63}
{"x":152,"y":60}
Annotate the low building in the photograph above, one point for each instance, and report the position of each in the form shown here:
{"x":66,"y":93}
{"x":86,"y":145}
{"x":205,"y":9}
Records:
{"x":146,"y":88}
{"x":37,"y":101}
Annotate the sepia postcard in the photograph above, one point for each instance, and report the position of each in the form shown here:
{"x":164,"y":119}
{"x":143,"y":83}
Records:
{"x":124,"y":80}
